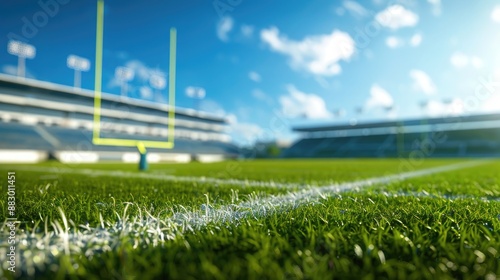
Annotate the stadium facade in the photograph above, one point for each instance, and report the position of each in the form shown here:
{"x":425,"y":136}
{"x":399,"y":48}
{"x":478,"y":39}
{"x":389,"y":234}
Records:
{"x":454,"y":136}
{"x":40,"y":120}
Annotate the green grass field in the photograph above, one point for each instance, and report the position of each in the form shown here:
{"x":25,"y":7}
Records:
{"x":293,"y":219}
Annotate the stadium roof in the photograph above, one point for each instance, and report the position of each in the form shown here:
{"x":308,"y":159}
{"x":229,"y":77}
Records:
{"x":401,"y":123}
{"x":16,"y":82}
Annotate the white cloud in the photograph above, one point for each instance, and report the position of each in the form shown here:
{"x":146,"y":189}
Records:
{"x":254,"y":76}
{"x":453,"y":107}
{"x":211,"y":106}
{"x":141,"y":79}
{"x":456,"y":107}
{"x":436,"y":7}
{"x":318,"y":54}
{"x":476,"y":62}
{"x":460,"y":60}
{"x":492,"y":104}
{"x":396,"y":16}
{"x":392,"y":113}
{"x":495,"y":14}
{"x":379,"y":98}
{"x":247,"y":30}
{"x":435,"y":108}
{"x":241,"y":133}
{"x":422,"y":82}
{"x":415,"y":40}
{"x":244,"y":134}
{"x":142,"y":73}
{"x":300,"y":104}
{"x":394,"y":42}
{"x":231,"y":118}
{"x":355,"y":8}
{"x":146,"y":92}
{"x":224,"y":26}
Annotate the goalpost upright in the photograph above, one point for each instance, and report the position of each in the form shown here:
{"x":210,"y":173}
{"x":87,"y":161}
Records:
{"x":141,"y":145}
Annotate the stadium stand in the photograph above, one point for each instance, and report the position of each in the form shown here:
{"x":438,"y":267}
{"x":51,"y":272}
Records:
{"x":58,"y":120}
{"x":464,"y":136}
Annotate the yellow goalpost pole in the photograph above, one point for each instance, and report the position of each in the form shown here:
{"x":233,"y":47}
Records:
{"x":140,"y":144}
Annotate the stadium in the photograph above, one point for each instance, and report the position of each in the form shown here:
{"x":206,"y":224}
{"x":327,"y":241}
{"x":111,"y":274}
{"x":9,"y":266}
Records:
{"x":45,"y":120}
{"x":156,"y":170}
{"x":454,"y":136}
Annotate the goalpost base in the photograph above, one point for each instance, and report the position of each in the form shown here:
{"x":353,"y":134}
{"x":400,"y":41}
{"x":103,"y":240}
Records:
{"x":143,"y":161}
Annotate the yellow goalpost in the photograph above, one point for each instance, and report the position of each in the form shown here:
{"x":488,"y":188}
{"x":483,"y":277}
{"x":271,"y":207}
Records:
{"x":140,"y":144}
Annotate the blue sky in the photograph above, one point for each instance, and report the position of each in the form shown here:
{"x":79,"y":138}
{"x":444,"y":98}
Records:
{"x":272,"y":64}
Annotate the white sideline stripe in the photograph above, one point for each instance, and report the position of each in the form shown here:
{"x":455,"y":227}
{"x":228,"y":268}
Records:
{"x":147,"y":231}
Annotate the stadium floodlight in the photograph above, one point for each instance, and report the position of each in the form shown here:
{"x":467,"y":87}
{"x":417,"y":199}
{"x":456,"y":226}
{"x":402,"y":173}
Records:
{"x":158,"y":82}
{"x":124,"y":75}
{"x":197,"y":94}
{"x":22,"y":51}
{"x":79,"y":64}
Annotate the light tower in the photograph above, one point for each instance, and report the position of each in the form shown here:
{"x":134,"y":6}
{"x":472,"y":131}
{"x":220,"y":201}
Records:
{"x":79,"y":64}
{"x":124,"y":75}
{"x":158,"y":82}
{"x":197,"y":94}
{"x":22,"y":51}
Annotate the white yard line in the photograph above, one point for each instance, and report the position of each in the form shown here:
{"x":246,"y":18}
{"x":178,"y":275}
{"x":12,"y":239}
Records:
{"x":424,"y":194}
{"x":232,"y":182}
{"x":146,"y":230}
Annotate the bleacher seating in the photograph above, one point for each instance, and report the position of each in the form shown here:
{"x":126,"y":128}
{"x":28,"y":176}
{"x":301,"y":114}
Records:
{"x":20,"y":136}
{"x":41,"y":116}
{"x":470,"y":142}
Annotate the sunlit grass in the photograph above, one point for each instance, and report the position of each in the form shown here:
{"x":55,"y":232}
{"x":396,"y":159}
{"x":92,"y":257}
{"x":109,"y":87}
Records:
{"x":115,"y":228}
{"x":316,"y":172}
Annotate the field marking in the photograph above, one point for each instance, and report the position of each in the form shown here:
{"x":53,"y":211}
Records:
{"x":147,"y":230}
{"x":424,"y":194}
{"x":211,"y":180}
